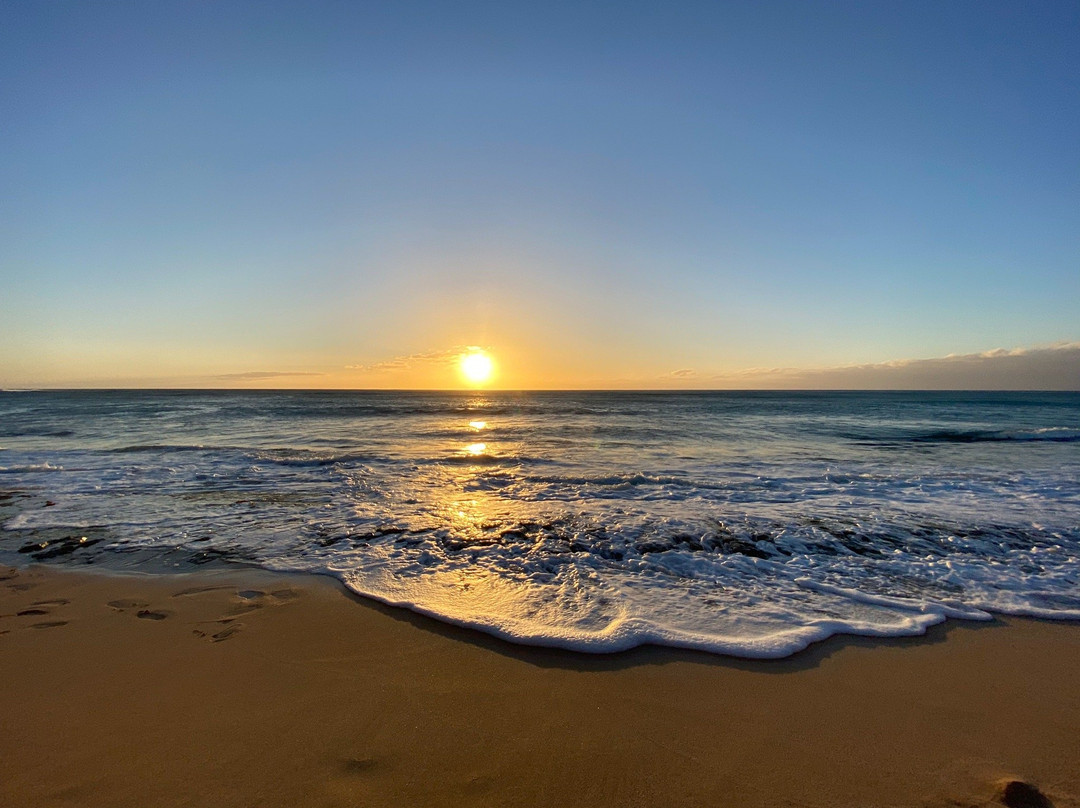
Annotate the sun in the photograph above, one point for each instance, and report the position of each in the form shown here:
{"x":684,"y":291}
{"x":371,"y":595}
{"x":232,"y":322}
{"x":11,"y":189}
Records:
{"x":476,"y":366}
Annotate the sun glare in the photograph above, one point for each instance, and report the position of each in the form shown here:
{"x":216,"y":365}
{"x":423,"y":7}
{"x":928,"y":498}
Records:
{"x":477,"y":367}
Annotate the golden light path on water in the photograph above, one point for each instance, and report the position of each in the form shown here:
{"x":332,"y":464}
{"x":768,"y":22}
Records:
{"x":505,"y":601}
{"x":467,"y":593}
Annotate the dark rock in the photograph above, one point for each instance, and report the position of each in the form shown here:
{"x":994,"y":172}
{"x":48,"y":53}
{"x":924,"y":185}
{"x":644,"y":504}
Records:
{"x":745,"y":548}
{"x":212,"y":554}
{"x":653,"y":547}
{"x":692,"y":542}
{"x":51,"y":549}
{"x":605,"y":550}
{"x":1018,"y":794}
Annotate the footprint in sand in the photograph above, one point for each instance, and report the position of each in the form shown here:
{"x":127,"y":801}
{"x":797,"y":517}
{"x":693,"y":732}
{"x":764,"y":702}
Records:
{"x":124,"y":605}
{"x":57,"y":602}
{"x":198,"y":590}
{"x":226,"y":633}
{"x":358,"y":765}
{"x":231,"y":630}
{"x":278,"y":595}
{"x":250,"y":599}
{"x":147,"y":614}
{"x":52,"y":624}
{"x":245,"y":601}
{"x":20,"y":580}
{"x":144,"y":612}
{"x":28,"y":612}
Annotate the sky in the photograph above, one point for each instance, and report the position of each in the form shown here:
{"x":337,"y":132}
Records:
{"x":600,"y":195}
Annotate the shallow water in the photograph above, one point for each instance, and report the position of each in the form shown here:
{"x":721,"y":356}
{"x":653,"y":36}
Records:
{"x":742,"y":523}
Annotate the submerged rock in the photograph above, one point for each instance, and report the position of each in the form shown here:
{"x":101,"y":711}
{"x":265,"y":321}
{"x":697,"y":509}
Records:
{"x":44,"y":550}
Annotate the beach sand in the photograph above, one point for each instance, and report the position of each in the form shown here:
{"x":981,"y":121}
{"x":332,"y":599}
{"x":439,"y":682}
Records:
{"x":245,"y":688}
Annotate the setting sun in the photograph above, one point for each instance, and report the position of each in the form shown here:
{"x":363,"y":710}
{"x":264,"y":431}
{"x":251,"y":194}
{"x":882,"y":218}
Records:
{"x":477,"y":367}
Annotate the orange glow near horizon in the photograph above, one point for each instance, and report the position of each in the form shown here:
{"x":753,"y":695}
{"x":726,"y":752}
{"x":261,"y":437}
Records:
{"x":477,"y":367}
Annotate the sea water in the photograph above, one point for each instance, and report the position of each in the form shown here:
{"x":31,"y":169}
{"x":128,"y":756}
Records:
{"x":746,"y":523}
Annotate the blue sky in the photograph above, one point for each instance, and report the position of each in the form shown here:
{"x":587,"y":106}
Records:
{"x":601,"y":194}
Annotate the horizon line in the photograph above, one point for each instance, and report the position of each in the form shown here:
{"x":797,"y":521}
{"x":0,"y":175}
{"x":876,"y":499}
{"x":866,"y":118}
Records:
{"x":476,"y":391}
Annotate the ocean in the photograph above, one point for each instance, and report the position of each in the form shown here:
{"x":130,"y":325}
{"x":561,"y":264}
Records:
{"x":743,"y":523}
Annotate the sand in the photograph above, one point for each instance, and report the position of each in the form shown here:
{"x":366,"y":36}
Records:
{"x":244,"y":688}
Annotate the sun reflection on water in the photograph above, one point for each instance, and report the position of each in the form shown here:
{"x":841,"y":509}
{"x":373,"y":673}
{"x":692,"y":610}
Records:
{"x":476,"y":448}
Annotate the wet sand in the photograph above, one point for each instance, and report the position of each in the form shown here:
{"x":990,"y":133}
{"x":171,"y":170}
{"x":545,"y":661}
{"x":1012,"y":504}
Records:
{"x":246,"y":688}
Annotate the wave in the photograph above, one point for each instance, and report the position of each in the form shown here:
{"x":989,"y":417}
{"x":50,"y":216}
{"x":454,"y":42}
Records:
{"x":1046,"y":435}
{"x":576,"y":586}
{"x":483,"y":459}
{"x":300,"y":458}
{"x":167,"y":447}
{"x":35,"y":432}
{"x":279,"y":456}
{"x":347,"y":410}
{"x":631,"y":480}
{"x":31,"y":467}
{"x":1059,"y":434}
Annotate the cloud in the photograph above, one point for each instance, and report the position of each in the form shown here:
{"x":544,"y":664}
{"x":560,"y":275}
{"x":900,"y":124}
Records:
{"x":263,"y":375}
{"x":398,"y":363}
{"x":684,"y":373}
{"x":1052,"y":367}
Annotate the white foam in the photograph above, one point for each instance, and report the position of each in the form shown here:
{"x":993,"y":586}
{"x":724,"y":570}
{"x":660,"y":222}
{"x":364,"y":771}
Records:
{"x":581,"y":610}
{"x":30,"y":468}
{"x":738,"y":605}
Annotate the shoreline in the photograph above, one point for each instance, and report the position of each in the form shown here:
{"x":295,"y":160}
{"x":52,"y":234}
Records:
{"x":246,"y":687}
